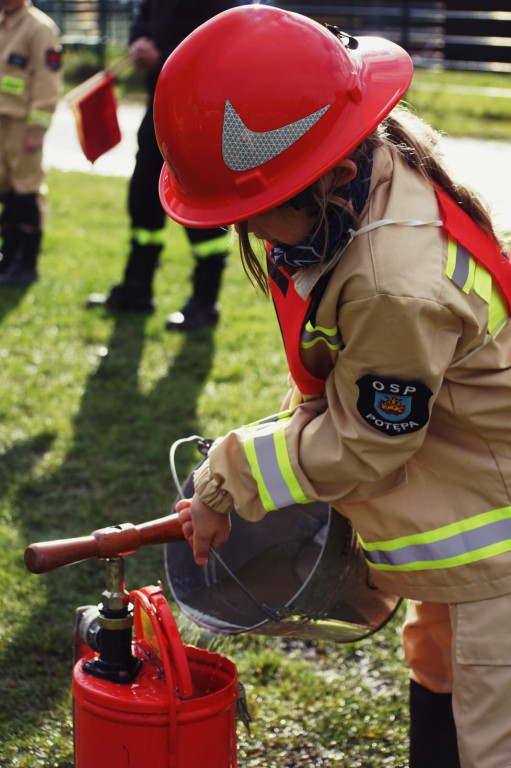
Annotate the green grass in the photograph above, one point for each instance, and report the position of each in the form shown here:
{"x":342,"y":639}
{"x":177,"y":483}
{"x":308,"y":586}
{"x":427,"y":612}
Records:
{"x":90,"y":406}
{"x":459,"y":103}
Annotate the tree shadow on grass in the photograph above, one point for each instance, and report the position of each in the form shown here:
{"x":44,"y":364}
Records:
{"x":116,"y":471}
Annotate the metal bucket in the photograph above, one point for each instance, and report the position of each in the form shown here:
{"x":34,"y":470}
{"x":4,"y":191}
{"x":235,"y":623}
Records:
{"x":299,"y":571}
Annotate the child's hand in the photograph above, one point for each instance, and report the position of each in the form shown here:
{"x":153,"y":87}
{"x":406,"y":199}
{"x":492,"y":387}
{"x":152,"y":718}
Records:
{"x":202,"y":527}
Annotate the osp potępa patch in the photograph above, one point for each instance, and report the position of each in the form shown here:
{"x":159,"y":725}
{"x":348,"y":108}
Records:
{"x":393,"y":406}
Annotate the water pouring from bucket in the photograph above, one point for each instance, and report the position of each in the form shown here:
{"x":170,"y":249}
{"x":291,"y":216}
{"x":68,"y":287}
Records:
{"x":275,"y":576}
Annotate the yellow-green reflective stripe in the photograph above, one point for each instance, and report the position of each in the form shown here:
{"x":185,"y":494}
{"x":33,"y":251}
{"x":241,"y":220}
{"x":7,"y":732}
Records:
{"x":209,"y":247}
{"x":463,"y":270}
{"x":256,"y":425}
{"x":286,"y":468}
{"x":14,"y":86}
{"x":266,"y":451}
{"x":451,"y":562}
{"x":483,"y":283}
{"x":497,"y":310}
{"x":451,"y":258}
{"x":469,"y":275}
{"x":148,"y":236}
{"x":250,"y":452}
{"x":38,"y":117}
{"x":312,"y":334}
{"x":444,"y":531}
{"x":470,"y":540}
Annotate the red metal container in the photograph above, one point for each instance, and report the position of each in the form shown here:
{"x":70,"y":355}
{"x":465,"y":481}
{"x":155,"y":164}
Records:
{"x":179,"y":712}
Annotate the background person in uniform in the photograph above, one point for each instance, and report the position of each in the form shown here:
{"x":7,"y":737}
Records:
{"x":158,"y":28}
{"x":30,"y":83}
{"x":393,"y":295}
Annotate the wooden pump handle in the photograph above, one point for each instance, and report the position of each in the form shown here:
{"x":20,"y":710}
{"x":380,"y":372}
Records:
{"x":106,"y":542}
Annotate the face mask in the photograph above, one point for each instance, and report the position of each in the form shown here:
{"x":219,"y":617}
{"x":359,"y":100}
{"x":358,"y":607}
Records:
{"x":333,"y":233}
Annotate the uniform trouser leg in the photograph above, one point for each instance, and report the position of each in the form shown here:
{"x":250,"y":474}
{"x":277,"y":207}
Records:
{"x":146,"y":214}
{"x":147,"y":229}
{"x":147,"y":218}
{"x":427,"y":641}
{"x":481,"y":654}
{"x":144,"y":205}
{"x":433,"y":736}
{"x":210,"y":249}
{"x":24,"y":233}
{"x":6,"y":230}
{"x":481,"y":676}
{"x":22,"y":181}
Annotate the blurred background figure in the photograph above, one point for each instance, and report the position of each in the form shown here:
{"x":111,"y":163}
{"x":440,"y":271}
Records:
{"x":30,"y":83}
{"x":159,"y":26}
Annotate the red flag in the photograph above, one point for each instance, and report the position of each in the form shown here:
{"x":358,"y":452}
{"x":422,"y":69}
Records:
{"x":95,"y":109}
{"x":95,"y":113}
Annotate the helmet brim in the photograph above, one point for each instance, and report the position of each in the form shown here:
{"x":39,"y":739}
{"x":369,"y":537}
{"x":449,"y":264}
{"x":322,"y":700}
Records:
{"x":383,"y":74}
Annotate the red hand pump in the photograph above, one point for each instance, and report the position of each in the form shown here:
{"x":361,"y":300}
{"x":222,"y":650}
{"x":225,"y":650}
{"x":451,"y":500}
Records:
{"x":140,"y":696}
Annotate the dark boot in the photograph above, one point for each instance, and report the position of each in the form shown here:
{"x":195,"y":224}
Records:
{"x":6,"y":249}
{"x":21,"y":269}
{"x":201,"y":311}
{"x":433,"y":741}
{"x":135,"y":293}
{"x":7,"y":232}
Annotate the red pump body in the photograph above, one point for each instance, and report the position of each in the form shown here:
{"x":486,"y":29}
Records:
{"x":178,"y":712}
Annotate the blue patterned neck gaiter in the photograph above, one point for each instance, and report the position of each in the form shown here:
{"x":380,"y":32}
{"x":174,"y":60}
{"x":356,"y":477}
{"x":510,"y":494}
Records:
{"x":329,"y":239}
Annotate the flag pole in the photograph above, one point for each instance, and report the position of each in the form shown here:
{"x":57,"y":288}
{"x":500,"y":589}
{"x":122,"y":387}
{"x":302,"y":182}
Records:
{"x":114,"y":70}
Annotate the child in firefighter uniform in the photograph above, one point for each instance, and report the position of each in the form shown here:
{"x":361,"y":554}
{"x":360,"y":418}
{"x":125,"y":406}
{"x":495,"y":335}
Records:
{"x":392,"y":293}
{"x":30,"y":80}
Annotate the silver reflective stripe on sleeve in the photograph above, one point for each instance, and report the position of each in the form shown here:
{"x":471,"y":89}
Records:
{"x":265,"y":447}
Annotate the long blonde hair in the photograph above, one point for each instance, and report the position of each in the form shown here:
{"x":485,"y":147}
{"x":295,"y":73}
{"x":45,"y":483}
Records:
{"x":418,"y":144}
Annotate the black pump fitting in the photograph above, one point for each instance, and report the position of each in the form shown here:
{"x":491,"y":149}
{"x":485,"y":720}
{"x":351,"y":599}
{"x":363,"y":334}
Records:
{"x":110,"y":632}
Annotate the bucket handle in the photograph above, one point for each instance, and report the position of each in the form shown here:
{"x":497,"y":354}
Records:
{"x":204,"y":444}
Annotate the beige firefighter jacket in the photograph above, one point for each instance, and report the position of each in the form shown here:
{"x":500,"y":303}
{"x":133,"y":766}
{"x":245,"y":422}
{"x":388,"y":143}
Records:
{"x":411,"y":439}
{"x":30,"y":61}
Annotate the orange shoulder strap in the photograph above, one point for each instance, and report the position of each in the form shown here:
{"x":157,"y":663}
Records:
{"x":291,"y":313}
{"x":481,"y":246}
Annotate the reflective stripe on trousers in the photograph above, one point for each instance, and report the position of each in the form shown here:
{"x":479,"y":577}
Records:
{"x":148,"y":236}
{"x":213,"y":246}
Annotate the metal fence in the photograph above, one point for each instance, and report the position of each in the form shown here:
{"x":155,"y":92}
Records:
{"x":456,"y":34}
{"x":93,"y":23}
{"x":417,"y":29}
{"x":463,"y":34}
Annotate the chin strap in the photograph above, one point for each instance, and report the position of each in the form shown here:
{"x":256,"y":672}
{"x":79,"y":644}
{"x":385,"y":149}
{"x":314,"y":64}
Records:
{"x":305,"y":279}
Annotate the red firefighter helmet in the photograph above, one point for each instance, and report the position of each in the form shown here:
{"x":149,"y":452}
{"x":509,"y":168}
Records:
{"x":258,"y":103}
